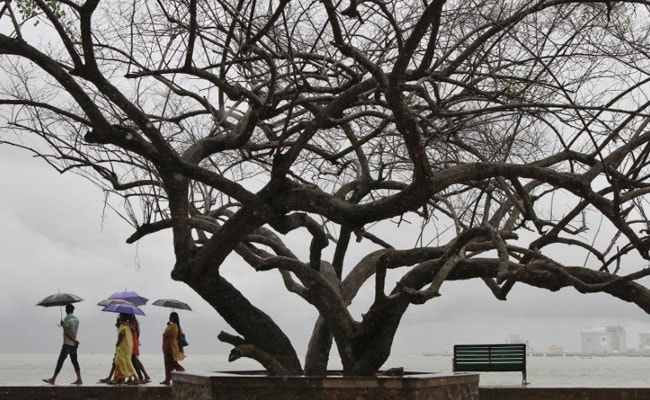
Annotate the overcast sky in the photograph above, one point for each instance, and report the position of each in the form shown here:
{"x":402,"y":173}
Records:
{"x":56,"y":236}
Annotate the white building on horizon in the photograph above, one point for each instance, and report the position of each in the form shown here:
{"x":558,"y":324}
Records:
{"x":603,"y":340}
{"x":644,"y":340}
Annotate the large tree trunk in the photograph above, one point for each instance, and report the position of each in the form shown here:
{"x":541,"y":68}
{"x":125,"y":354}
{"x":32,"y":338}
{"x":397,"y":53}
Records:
{"x":318,"y":350}
{"x":374,"y":339}
{"x":256,"y":327}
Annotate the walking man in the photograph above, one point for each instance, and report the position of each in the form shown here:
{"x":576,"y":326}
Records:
{"x":70,"y":325}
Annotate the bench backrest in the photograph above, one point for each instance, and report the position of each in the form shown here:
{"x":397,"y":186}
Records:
{"x":489,"y":357}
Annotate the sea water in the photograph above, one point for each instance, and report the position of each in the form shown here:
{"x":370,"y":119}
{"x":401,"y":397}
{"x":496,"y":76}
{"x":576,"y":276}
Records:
{"x":569,"y":371}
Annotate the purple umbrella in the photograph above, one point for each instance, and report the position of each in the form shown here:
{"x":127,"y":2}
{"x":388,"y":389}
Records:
{"x":123,"y":307}
{"x":129,"y":296}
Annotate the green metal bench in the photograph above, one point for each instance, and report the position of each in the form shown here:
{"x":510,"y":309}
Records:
{"x":490,"y":357}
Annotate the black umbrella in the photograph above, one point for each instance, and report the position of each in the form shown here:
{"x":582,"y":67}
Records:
{"x":172,"y":303}
{"x":59,"y":299}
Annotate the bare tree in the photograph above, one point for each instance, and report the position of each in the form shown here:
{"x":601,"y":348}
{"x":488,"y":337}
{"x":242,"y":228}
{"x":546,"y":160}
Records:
{"x":461,"y":139}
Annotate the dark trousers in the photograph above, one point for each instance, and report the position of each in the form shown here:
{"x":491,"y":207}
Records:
{"x":137,"y":365}
{"x":65,"y":350}
{"x":171,"y":365}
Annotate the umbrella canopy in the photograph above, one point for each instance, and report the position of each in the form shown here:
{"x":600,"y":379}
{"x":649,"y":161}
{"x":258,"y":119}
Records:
{"x":125,"y":308}
{"x":106,"y":302}
{"x":129,"y":296}
{"x":172,"y":303}
{"x":59,"y":299}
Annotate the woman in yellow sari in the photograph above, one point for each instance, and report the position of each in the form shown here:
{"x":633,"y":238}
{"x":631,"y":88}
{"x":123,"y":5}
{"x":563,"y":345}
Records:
{"x":172,"y":348}
{"x":124,"y":371}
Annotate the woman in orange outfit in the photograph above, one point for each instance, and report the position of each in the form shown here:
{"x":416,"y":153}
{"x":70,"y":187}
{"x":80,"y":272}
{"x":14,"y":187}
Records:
{"x":172,"y":348}
{"x":135,"y":359}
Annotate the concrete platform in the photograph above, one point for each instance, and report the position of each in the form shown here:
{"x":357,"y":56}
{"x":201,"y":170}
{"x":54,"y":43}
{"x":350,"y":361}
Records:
{"x":543,"y":393}
{"x":257,"y":386}
{"x":103,"y":392}
{"x":85,"y":392}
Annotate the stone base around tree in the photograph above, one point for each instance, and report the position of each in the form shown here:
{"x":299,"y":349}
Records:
{"x":251,"y":385}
